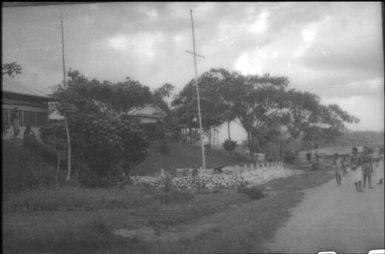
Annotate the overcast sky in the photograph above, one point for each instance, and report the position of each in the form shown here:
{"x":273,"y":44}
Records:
{"x":333,"y":49}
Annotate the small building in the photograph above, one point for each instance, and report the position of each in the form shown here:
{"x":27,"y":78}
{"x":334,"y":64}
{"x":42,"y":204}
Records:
{"x":31,"y":104}
{"x":151,"y":117}
{"x":148,"y":114}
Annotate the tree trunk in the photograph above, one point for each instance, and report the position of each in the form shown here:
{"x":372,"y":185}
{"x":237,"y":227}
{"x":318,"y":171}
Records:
{"x":58,"y":167}
{"x":228,"y":129}
{"x":210,"y":137}
{"x":251,"y":149}
{"x":69,"y":149}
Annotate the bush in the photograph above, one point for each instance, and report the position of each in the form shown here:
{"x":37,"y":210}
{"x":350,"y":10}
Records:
{"x":89,"y":179}
{"x":254,"y":192}
{"x":289,"y":157}
{"x":229,"y":145}
{"x":163,"y":146}
{"x":42,"y":149}
{"x":174,"y":196}
{"x":24,"y":170}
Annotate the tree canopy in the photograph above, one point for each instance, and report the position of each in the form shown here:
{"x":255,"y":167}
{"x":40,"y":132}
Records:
{"x":11,"y":69}
{"x":262,"y":104}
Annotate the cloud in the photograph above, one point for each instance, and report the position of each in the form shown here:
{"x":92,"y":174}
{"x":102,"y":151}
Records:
{"x":333,"y":49}
{"x":141,"y":44}
{"x":119,"y":42}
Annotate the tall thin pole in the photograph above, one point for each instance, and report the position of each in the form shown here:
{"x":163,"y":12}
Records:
{"x":65,"y":117}
{"x":198,"y":98}
{"x":62,"y":44}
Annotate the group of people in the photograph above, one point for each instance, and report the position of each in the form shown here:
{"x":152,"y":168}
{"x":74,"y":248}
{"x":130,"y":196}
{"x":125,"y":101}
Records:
{"x":362,"y":168}
{"x":15,"y":123}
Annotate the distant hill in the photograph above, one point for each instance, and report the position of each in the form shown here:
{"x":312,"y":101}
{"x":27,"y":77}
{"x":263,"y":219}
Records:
{"x":361,"y":138}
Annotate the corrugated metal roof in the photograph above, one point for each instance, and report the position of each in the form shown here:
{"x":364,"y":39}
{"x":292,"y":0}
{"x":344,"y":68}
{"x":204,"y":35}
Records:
{"x":13,"y":86}
{"x":148,"y":111}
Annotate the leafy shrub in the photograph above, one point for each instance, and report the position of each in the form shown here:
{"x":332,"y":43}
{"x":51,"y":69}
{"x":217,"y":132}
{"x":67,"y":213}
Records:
{"x":42,"y":149}
{"x":174,"y":196}
{"x":254,"y":192}
{"x":163,"y":146}
{"x":89,"y":179}
{"x":24,"y":169}
{"x":289,"y":157}
{"x":229,"y":145}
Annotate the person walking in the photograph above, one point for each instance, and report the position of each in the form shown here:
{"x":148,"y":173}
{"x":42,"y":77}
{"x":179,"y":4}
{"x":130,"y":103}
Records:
{"x":367,"y":167}
{"x":355,"y":166}
{"x":338,"y":168}
{"x":380,"y":167}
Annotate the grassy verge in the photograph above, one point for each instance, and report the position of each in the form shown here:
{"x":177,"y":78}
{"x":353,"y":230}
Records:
{"x":75,"y":220}
{"x":244,"y":229}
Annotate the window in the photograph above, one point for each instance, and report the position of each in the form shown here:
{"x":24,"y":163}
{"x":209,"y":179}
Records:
{"x":29,"y":118}
{"x":42,"y":118}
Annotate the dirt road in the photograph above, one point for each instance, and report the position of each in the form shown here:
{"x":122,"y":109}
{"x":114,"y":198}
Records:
{"x":332,"y":217}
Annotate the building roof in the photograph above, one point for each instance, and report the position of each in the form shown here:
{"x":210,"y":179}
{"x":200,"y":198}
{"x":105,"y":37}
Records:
{"x":16,"y":87}
{"x":148,"y":111}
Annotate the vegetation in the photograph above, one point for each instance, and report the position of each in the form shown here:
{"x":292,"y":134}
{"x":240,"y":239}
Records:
{"x":263,"y":105}
{"x":25,"y":169}
{"x":229,"y":145}
{"x":11,"y":69}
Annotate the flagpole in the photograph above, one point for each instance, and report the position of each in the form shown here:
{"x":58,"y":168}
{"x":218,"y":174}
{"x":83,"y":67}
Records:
{"x":62,"y":43}
{"x":198,"y":98}
{"x":65,"y":115}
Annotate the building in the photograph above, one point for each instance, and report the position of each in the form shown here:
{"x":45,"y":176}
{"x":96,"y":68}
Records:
{"x":148,"y":114}
{"x":151,"y":117}
{"x":31,"y":104}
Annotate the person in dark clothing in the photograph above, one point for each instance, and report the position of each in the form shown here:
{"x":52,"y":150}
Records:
{"x":367,"y":167}
{"x":29,"y":132}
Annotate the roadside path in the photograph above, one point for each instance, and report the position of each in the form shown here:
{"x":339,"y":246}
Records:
{"x":334,"y":218}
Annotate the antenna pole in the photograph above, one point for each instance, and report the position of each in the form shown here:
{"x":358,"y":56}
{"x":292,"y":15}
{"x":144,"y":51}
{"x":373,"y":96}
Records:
{"x":62,"y":43}
{"x":198,"y":98}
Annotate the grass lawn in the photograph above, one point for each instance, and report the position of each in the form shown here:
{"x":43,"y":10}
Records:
{"x":245,"y":228}
{"x":75,"y":220}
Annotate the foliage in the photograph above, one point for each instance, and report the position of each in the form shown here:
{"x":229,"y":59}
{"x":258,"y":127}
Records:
{"x":213,"y":108}
{"x":163,"y":146}
{"x":315,"y":121}
{"x":161,"y":94}
{"x":11,"y":69}
{"x":263,"y":105}
{"x":289,"y":157}
{"x":100,"y":136}
{"x":254,"y":192}
{"x":23,"y":169}
{"x":229,"y":145}
{"x":40,"y":148}
{"x":80,"y":94}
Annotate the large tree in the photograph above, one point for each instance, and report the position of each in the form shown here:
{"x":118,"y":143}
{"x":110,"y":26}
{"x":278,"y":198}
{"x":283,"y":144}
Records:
{"x":313,"y":121}
{"x":261,"y":106}
{"x":100,"y":135}
{"x":212,"y":107}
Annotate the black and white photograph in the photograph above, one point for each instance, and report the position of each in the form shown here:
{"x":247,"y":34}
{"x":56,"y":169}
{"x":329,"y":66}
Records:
{"x":193,"y":127}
